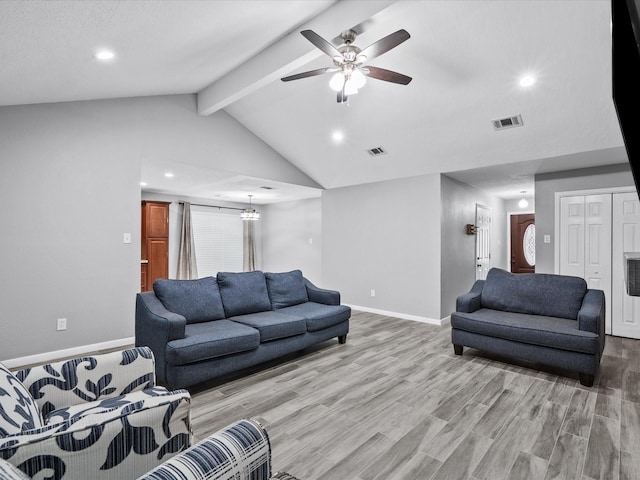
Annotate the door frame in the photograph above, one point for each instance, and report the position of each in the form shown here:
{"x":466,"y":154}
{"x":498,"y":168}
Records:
{"x":556,"y":226}
{"x":508,"y":240}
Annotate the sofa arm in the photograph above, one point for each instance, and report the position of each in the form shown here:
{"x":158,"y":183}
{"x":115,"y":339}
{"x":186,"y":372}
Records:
{"x":240,"y":451}
{"x":470,"y":302}
{"x":591,"y":316}
{"x":85,"y":379}
{"x":123,"y":441}
{"x":321,"y":295}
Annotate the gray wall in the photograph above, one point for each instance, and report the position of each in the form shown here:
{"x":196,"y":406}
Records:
{"x":384,"y":236}
{"x":582,"y":179}
{"x":458,"y":273}
{"x":292,"y":238}
{"x":69,"y":181}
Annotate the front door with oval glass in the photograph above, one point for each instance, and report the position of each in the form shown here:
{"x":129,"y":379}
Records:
{"x":523,"y":243}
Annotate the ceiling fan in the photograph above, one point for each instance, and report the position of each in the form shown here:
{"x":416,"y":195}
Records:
{"x":350,"y":71}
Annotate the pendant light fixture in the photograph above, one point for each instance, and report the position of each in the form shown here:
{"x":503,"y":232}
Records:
{"x":250,"y":213}
{"x":523,"y":203}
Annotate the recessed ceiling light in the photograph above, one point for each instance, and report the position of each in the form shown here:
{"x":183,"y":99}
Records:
{"x":168,"y":175}
{"x":337,"y":136}
{"x":105,"y":55}
{"x":143,"y":184}
{"x":527,"y":80}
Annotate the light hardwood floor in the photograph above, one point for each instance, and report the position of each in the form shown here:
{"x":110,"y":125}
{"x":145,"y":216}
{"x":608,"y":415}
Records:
{"x":394,"y":402}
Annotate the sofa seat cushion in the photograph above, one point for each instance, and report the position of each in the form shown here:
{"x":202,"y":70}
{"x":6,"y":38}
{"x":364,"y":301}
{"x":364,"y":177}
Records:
{"x":318,"y":315}
{"x":540,"y":330}
{"x":196,"y":300}
{"x":535,"y":293}
{"x":286,"y":289}
{"x":211,"y":339}
{"x":243,"y":292}
{"x":273,"y":325}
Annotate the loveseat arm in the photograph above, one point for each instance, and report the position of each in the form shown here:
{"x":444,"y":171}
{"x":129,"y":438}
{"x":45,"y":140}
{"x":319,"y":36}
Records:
{"x":591,"y":316}
{"x":116,"y":439}
{"x":89,"y":378}
{"x":321,"y":295}
{"x":240,"y":451}
{"x":470,"y":302}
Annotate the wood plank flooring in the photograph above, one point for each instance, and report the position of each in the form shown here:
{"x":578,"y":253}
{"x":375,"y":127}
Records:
{"x":394,"y":402}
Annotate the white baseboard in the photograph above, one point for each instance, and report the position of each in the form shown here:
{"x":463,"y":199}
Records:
{"x":16,"y":363}
{"x":404,"y":316}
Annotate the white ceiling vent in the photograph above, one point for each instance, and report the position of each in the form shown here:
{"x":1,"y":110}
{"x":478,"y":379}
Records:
{"x":374,"y":152}
{"x":508,"y":122}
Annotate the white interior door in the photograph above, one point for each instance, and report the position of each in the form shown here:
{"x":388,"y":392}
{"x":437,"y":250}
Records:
{"x":572,"y":236}
{"x":626,"y":238}
{"x":483,"y":241}
{"x":585,"y":242}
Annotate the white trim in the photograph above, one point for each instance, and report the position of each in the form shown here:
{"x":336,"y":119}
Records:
{"x":15,"y":363}
{"x":404,"y":316}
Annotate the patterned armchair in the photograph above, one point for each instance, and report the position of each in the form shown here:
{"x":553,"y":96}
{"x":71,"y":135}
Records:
{"x":94,"y":417}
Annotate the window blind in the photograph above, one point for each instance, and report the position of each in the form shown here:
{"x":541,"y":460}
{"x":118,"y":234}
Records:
{"x":218,"y":241}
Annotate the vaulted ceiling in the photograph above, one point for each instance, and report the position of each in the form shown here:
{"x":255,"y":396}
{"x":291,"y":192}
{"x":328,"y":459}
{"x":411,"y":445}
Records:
{"x":465,"y":58}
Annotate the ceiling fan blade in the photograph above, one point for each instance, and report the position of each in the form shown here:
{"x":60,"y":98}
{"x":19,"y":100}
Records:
{"x":310,"y":73}
{"x":342,"y":97}
{"x":385,"y":44}
{"x":386,"y":75}
{"x":321,"y":43}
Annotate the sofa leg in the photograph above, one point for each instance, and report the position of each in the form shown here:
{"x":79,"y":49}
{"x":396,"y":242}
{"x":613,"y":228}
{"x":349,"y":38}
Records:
{"x":586,"y":379}
{"x":342,"y":339}
{"x":457,"y":349}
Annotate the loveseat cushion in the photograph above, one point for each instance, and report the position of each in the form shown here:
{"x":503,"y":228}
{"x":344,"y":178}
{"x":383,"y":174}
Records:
{"x":534,"y":293}
{"x":18,"y":411}
{"x":560,"y":333}
{"x":211,"y":339}
{"x":196,"y":300}
{"x":286,"y":289}
{"x":243,"y":292}
{"x":319,"y":316}
{"x":273,"y":325}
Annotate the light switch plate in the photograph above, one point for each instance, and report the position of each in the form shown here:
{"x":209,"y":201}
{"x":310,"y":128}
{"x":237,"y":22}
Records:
{"x":547,"y":239}
{"x":126,"y":238}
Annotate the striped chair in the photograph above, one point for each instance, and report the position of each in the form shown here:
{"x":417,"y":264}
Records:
{"x":95,"y":417}
{"x":241,"y":451}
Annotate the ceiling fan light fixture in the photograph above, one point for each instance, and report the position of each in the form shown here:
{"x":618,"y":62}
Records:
{"x":358,"y":79}
{"x":250,"y":214}
{"x":337,"y":82}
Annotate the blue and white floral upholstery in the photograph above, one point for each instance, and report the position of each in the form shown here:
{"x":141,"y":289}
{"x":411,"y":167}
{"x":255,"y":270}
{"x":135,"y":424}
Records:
{"x":240,"y":451}
{"x":98,"y":417}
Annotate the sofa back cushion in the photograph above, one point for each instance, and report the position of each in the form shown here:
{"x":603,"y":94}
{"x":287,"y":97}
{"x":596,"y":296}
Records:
{"x":196,"y":300}
{"x":533,"y":293}
{"x":243,"y":292}
{"x":286,"y":289}
{"x":18,"y":410}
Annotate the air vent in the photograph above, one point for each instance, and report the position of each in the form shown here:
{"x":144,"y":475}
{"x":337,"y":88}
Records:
{"x":264,"y":187}
{"x":374,"y":152}
{"x":508,"y":122}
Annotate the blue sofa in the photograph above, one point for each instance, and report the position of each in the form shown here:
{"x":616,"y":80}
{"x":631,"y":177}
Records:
{"x":551,"y":319}
{"x":202,"y":329}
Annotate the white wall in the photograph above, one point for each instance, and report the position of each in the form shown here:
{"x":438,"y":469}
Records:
{"x":384,"y":236}
{"x":292,"y":238}
{"x":582,"y":179}
{"x":458,"y":249}
{"x":69,"y":183}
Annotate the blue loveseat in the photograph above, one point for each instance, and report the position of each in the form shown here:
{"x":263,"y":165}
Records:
{"x":551,"y":319}
{"x":202,"y":329}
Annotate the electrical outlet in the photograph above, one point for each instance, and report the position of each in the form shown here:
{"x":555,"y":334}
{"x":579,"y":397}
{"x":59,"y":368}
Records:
{"x":126,"y":238}
{"x":547,"y":239}
{"x":62,"y":324}
{"x":373,"y":292}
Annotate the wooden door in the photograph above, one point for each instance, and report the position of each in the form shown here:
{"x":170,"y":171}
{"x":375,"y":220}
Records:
{"x":523,"y":243}
{"x":483,"y":241}
{"x":626,"y":238}
{"x":158,"y":266}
